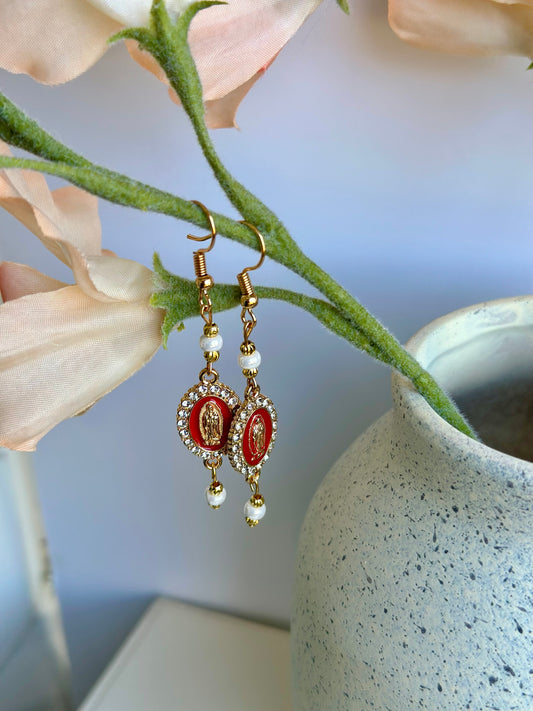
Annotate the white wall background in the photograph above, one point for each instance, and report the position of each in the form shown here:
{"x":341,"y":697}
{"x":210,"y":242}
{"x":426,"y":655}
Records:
{"x":405,"y":174}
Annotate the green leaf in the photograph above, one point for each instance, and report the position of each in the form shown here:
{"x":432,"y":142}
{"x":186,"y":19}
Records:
{"x":530,"y":66}
{"x":179,"y":298}
{"x":343,"y":4}
{"x":140,"y":34}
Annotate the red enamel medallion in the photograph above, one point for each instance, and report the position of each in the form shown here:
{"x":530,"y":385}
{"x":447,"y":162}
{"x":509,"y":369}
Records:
{"x":209,"y":423}
{"x":257,"y":437}
{"x":252,"y":434}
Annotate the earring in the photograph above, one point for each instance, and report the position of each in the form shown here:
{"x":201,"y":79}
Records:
{"x":206,"y":410}
{"x":253,"y":430}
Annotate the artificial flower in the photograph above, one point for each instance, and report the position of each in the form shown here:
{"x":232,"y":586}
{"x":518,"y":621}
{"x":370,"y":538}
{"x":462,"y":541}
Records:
{"x":63,"y":347}
{"x":465,"y":26}
{"x":56,"y":40}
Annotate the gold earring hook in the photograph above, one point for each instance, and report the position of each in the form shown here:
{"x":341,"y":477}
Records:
{"x":212,"y":227}
{"x":248,"y":296}
{"x":262,"y":244}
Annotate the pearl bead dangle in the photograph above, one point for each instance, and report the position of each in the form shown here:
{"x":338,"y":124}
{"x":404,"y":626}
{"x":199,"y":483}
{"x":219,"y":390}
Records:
{"x":254,"y":426}
{"x":206,"y":410}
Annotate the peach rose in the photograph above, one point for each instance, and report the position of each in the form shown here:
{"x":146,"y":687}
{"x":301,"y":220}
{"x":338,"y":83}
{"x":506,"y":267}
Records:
{"x":465,"y":26}
{"x":56,"y":40}
{"x":65,"y":346}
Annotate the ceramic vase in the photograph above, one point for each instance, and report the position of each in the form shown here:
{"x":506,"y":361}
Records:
{"x":414,"y":582}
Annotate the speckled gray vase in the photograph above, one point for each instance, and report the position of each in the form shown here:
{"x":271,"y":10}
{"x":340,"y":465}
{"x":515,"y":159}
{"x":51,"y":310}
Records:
{"x":414,"y":582}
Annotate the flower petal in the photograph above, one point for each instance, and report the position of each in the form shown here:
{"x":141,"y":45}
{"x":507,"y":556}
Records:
{"x":52,"y":40}
{"x":68,"y":214}
{"x":529,"y":3}
{"x":62,"y":351}
{"x":220,"y":113}
{"x":136,"y":13}
{"x":110,"y":278}
{"x":465,"y":26}
{"x":233,"y":45}
{"x":18,"y":280}
{"x":67,"y":223}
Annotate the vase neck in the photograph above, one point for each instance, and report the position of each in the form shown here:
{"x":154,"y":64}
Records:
{"x":482,"y":357}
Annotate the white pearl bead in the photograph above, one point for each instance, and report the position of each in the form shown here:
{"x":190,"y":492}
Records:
{"x":256,"y":513}
{"x":215,"y":499}
{"x":248,"y":362}
{"x":211,"y":343}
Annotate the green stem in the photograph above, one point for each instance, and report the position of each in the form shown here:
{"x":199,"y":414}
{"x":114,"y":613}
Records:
{"x":179,"y":297}
{"x":345,"y":316}
{"x":168,"y":44}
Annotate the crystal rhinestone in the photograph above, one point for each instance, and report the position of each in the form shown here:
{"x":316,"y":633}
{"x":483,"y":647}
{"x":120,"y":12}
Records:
{"x":238,"y":426}
{"x":202,"y":389}
{"x":181,"y":423}
{"x":269,"y":408}
{"x":194,"y":450}
{"x":214,"y":389}
{"x":187,"y":442}
{"x":193,"y":396}
{"x":181,"y":413}
{"x":235,"y":448}
{"x":224,"y":394}
{"x":183,"y":433}
{"x":233,"y":402}
{"x":243,"y":415}
{"x":274,"y":426}
{"x":185,"y":403}
{"x":250,"y":406}
{"x":235,"y":437}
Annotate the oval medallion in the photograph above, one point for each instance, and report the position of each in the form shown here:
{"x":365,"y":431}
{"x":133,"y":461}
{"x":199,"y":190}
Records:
{"x":204,"y":417}
{"x":257,"y":436}
{"x":209,"y":423}
{"x":252,"y":434}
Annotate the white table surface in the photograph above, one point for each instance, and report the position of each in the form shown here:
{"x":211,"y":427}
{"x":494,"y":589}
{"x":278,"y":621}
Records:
{"x":184,"y":658}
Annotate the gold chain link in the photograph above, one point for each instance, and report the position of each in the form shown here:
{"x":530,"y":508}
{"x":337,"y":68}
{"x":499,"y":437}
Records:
{"x":248,"y":323}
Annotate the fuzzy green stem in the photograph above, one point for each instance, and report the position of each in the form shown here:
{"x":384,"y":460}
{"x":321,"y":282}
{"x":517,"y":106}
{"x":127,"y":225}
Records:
{"x":168,"y":44}
{"x":179,"y":297}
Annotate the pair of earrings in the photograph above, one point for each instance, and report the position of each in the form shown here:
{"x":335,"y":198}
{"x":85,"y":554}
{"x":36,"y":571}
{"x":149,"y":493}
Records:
{"x":211,"y":419}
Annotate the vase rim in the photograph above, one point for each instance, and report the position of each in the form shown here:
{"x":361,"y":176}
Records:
{"x":440,"y":336}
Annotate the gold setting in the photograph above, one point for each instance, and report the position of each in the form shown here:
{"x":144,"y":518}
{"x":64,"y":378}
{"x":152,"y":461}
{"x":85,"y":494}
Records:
{"x":187,"y":403}
{"x":210,"y":330}
{"x":204,"y":283}
{"x":248,"y":348}
{"x":215,"y":488}
{"x":234,"y":446}
{"x":248,"y":302}
{"x":257,"y":500}
{"x":250,"y":372}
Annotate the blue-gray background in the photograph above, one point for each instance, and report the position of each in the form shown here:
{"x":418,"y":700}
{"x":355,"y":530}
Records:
{"x":407,"y":175}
